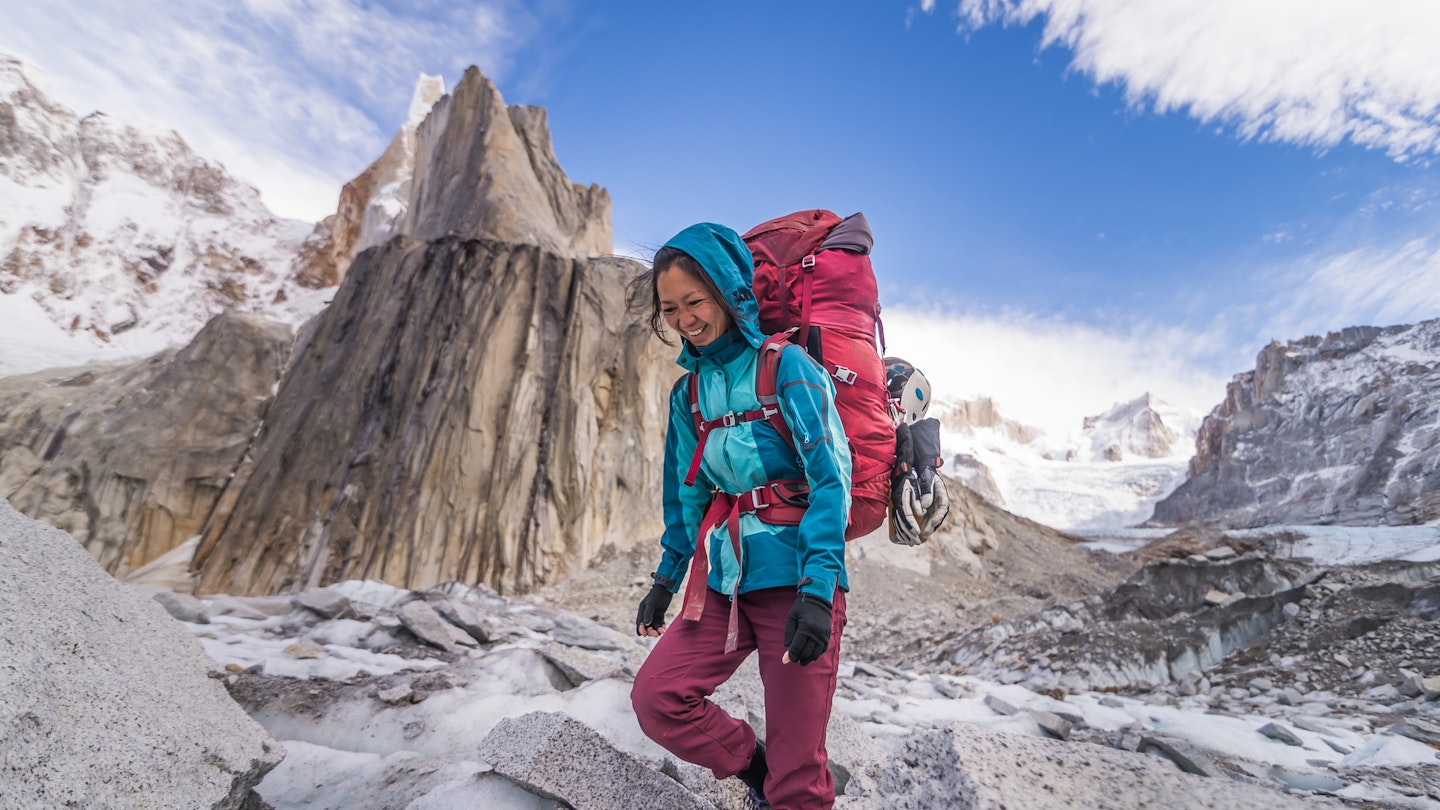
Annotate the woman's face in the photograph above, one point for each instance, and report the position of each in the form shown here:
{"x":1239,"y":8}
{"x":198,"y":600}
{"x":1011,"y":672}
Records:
{"x":689,"y":308}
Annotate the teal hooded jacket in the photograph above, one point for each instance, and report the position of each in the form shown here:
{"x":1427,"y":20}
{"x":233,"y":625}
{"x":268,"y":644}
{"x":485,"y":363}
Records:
{"x":737,"y":459}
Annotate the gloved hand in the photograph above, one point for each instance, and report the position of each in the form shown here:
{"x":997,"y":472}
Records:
{"x":650,"y":620}
{"x":807,"y":629}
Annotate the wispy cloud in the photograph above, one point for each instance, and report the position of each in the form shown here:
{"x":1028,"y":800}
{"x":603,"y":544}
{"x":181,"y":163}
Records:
{"x":1052,"y":372}
{"x":295,"y":96}
{"x":1310,"y":72}
{"x":1378,"y":286}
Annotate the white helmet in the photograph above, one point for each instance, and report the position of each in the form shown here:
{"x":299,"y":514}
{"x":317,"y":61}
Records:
{"x":909,"y":390}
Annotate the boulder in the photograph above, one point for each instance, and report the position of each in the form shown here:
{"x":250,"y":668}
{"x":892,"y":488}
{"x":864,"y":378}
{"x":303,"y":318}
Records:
{"x":555,"y":756}
{"x":972,"y":767}
{"x":428,"y":626}
{"x":108,"y":701}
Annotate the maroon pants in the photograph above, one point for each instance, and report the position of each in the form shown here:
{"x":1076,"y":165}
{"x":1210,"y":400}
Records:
{"x":688,"y":662}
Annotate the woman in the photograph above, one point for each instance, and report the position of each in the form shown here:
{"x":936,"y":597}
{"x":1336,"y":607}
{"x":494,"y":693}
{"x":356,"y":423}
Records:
{"x":758,"y":584}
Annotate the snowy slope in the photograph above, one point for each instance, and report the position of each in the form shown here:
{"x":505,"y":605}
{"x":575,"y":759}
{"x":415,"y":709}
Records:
{"x":1108,"y":473}
{"x":116,"y":241}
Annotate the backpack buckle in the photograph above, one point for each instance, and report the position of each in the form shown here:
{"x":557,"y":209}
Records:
{"x":728,"y":420}
{"x":808,"y":262}
{"x":844,"y":375}
{"x":757,"y":497}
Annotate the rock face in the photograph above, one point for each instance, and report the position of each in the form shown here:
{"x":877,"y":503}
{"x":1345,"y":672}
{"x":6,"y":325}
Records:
{"x":124,"y":235}
{"x":372,"y":206}
{"x":107,"y":699}
{"x":132,"y":459}
{"x":490,"y":416}
{"x":486,"y":170}
{"x":1334,"y":429}
{"x":969,"y":415}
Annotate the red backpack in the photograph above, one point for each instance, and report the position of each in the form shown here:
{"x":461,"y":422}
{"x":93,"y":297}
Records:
{"x":815,"y":287}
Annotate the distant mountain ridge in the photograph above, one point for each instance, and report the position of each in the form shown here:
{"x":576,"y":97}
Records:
{"x":122,"y":236}
{"x":1342,"y":428}
{"x":1108,"y":474}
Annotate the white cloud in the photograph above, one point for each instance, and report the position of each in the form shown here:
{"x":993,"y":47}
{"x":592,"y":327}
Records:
{"x":1372,"y":286}
{"x":1310,"y":72}
{"x":1051,"y":372}
{"x":295,"y":96}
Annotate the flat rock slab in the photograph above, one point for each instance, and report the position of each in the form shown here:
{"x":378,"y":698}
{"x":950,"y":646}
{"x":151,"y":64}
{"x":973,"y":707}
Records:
{"x":107,"y":701}
{"x":558,"y":757}
{"x":972,"y":767}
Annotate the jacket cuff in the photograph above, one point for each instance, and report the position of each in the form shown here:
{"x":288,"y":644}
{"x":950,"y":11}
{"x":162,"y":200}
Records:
{"x":670,"y":582}
{"x":824,"y":588}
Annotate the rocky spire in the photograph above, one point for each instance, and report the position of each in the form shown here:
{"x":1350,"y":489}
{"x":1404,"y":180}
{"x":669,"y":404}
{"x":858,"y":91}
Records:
{"x":490,"y":413}
{"x":373,"y":205}
{"x":485,"y":170}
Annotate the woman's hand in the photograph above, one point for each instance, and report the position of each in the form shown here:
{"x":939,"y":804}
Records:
{"x":650,"y":620}
{"x":807,"y":630}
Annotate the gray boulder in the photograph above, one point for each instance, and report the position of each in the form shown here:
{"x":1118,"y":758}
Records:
{"x":558,"y":757}
{"x":108,"y":702}
{"x":972,"y":767}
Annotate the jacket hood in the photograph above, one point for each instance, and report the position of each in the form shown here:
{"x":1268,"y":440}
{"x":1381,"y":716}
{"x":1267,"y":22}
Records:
{"x":725,"y":259}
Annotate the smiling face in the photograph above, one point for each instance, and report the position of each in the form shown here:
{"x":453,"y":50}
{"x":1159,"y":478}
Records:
{"x":689,"y":307}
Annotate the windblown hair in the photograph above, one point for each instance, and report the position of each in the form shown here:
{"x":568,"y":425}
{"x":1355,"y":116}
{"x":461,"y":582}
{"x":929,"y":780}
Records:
{"x":643,"y":293}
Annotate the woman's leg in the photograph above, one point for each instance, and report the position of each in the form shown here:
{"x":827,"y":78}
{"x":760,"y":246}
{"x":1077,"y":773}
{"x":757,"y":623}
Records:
{"x":797,"y":702}
{"x":671,"y":690}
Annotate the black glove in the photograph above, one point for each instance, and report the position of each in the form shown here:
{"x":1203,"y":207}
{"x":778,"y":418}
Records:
{"x":652,"y":611}
{"x":807,"y":629}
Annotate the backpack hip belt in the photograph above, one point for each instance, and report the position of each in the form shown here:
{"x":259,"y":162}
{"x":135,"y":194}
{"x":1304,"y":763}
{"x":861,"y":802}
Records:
{"x":769,"y":502}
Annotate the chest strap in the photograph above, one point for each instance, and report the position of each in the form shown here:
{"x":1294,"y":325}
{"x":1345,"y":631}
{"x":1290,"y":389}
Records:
{"x":779,"y":503}
{"x":703,"y":426}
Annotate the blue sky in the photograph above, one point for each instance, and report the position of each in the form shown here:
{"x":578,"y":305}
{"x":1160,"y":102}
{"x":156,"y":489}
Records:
{"x":1074,"y":200}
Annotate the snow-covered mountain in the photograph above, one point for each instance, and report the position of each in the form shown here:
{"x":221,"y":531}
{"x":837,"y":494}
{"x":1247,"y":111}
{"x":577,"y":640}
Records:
{"x":117,"y":240}
{"x":1342,"y":428}
{"x":1110,"y":473}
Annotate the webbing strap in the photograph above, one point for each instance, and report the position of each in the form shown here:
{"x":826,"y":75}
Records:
{"x":767,"y":502}
{"x":703,"y":426}
{"x":807,"y":270}
{"x":850,"y":377}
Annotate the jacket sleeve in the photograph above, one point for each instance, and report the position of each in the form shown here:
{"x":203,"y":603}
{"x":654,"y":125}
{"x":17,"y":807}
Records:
{"x":807,"y":401}
{"x":683,"y":507}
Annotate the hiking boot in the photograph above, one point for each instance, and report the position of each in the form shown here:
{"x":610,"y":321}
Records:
{"x":754,"y":801}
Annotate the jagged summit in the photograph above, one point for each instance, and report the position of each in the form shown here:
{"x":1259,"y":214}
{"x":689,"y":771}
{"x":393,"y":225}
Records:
{"x":464,"y":164}
{"x":1145,"y":427}
{"x":372,"y":206}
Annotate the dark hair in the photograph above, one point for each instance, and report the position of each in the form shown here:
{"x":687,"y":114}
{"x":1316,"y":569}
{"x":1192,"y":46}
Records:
{"x":644,"y":295}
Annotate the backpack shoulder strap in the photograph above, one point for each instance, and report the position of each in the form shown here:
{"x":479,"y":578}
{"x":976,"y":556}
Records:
{"x":767,"y":373}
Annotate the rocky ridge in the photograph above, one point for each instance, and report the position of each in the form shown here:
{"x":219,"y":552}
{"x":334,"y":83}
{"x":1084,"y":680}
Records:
{"x":373,"y":205}
{"x":132,"y":458}
{"x":1340,"y":428}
